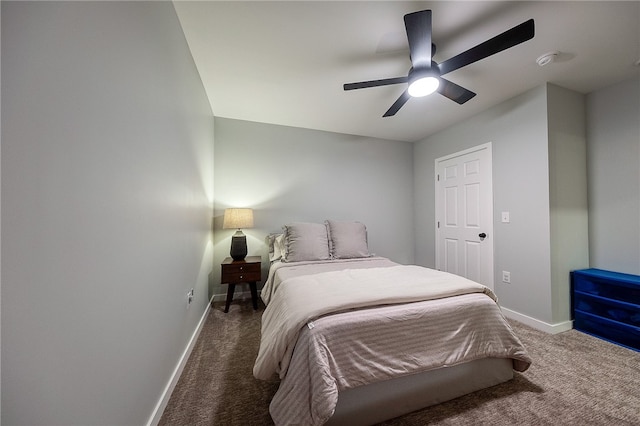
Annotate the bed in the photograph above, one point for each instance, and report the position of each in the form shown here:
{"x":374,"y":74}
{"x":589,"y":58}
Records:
{"x":355,"y":338}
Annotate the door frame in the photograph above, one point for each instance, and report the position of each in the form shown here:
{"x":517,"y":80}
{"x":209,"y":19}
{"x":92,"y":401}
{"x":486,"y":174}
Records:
{"x":439,"y":198}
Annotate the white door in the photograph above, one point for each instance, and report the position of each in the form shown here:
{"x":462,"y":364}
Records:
{"x":464,"y":212}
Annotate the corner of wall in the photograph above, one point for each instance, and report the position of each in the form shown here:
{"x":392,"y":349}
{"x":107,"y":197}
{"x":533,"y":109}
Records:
{"x":569,"y":218}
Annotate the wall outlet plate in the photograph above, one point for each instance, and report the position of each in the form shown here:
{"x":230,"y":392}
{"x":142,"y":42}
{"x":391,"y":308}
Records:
{"x":506,"y":277}
{"x":190,"y":295}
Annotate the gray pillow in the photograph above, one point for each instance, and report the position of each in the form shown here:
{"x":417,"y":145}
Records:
{"x":305,"y":241}
{"x":347,"y":239}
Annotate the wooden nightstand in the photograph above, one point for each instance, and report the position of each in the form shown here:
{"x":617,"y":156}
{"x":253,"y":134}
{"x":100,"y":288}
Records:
{"x":248,"y":270}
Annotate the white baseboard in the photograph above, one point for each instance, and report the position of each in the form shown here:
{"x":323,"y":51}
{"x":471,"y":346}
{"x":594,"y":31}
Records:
{"x":537,"y":324}
{"x":166,"y":394}
{"x":238,"y":295}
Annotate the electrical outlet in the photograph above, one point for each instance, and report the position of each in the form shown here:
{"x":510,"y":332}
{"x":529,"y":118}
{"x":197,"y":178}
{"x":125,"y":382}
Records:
{"x":506,"y":277}
{"x":190,"y":295}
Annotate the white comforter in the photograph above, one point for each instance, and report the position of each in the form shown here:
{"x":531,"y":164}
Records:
{"x":361,"y":346}
{"x":305,"y":298}
{"x":281,"y":271}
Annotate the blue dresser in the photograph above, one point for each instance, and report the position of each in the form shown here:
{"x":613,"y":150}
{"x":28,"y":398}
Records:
{"x":607,"y":305}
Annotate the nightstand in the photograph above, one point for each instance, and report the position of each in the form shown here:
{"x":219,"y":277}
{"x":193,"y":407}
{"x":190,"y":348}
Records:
{"x":234,"y":272}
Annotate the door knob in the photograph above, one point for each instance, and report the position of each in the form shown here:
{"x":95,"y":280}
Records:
{"x":482,"y":235}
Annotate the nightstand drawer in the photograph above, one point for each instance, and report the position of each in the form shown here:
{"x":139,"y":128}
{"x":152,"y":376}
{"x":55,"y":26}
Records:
{"x":239,"y":272}
{"x":240,"y":268}
{"x":240,"y":277}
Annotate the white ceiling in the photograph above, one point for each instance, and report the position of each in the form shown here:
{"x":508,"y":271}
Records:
{"x":285,"y":62}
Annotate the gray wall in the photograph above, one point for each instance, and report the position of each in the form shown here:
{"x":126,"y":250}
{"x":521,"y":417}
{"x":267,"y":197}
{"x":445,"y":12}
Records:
{"x":613,"y":134}
{"x":107,"y":173}
{"x":567,"y":194}
{"x":290,"y":174}
{"x":518,"y":131}
{"x":107,"y":188}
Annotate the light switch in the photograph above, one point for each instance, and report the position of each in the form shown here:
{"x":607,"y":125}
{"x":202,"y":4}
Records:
{"x":505,"y":217}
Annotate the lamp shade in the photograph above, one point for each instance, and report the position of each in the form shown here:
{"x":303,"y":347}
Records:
{"x":237,"y":218}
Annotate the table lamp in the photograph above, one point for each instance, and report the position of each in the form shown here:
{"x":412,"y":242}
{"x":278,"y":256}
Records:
{"x":238,"y":218}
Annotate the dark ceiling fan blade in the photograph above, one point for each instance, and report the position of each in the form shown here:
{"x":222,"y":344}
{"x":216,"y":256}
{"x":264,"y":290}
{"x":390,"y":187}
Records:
{"x":397,"y":104}
{"x":418,"y":26}
{"x":375,"y":83}
{"x":514,"y":36}
{"x":454,"y":92}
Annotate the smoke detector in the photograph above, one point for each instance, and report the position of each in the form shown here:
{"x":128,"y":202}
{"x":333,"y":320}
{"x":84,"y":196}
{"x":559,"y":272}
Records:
{"x":547,"y":58}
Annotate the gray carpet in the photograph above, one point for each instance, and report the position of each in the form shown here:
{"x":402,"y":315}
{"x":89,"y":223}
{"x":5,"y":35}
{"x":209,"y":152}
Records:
{"x":575,"y":379}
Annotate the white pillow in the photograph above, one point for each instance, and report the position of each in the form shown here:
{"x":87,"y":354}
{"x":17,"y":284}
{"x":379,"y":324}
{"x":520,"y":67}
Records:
{"x":305,"y":241}
{"x":347,"y":239}
{"x":275,"y":243}
{"x":279,"y":247}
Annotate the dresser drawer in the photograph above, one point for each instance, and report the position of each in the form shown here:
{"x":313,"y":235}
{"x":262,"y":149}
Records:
{"x":610,"y":287}
{"x":616,"y":310}
{"x":613,"y":331}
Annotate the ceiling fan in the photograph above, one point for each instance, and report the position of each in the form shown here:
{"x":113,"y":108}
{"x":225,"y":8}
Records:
{"x":425,"y":75}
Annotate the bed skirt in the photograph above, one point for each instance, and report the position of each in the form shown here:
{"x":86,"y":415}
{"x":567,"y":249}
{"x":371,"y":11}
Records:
{"x":374,"y":403}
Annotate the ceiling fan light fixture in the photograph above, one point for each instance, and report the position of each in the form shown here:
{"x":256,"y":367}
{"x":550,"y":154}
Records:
{"x":423,"y":83}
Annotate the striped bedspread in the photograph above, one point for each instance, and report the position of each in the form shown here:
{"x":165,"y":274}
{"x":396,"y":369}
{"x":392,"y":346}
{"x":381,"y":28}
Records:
{"x":423,"y":320}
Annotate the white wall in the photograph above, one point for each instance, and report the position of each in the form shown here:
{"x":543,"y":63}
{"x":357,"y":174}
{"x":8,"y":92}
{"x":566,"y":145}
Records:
{"x":613,"y":135}
{"x":107,"y":188}
{"x":517,"y":130}
{"x":290,"y":174}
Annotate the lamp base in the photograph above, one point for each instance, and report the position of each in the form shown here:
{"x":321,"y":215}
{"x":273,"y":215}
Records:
{"x":238,"y":246}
